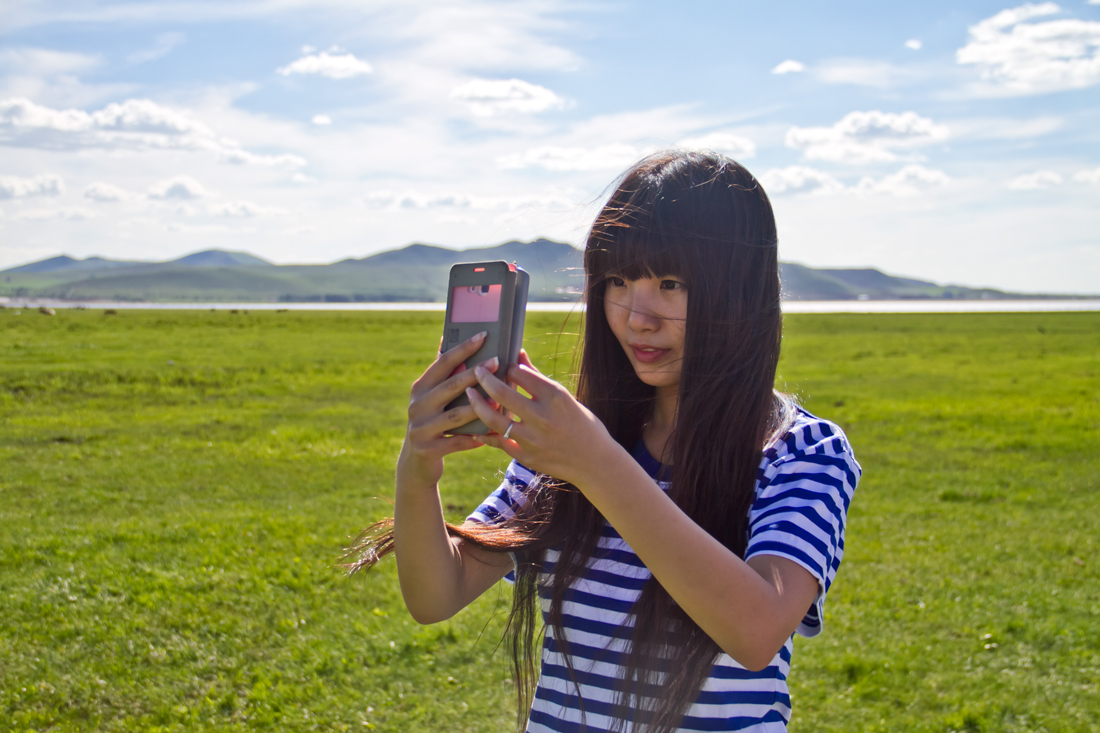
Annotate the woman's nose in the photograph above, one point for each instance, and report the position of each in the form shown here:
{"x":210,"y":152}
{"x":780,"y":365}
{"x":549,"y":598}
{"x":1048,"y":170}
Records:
{"x":642,"y":316}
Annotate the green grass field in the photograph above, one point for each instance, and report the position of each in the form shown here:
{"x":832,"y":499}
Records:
{"x":176,"y":489}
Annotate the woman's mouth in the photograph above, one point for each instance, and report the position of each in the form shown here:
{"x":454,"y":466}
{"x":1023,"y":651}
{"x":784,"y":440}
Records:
{"x":648,"y":354}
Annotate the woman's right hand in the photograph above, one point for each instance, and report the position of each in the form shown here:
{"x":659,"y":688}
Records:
{"x":437,"y":577}
{"x":421,"y":460}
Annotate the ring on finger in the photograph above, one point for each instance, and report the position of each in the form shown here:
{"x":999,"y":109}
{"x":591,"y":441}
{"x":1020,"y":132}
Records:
{"x":509,"y":430}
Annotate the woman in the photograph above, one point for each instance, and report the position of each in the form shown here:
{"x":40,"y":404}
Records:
{"x":677,"y":519}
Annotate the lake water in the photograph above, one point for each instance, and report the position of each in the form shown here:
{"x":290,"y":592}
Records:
{"x":790,"y":306}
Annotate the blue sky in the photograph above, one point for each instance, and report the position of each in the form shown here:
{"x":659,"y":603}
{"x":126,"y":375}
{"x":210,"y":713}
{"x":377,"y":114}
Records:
{"x":956,"y":142}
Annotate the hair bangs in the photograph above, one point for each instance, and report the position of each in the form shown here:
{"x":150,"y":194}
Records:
{"x":633,"y":247}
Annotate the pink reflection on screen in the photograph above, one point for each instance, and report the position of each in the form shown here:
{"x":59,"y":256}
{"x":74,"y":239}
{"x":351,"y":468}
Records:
{"x":475,"y":303}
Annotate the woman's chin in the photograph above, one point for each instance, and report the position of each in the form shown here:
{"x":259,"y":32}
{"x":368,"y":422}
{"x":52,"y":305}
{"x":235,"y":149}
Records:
{"x":656,"y":377}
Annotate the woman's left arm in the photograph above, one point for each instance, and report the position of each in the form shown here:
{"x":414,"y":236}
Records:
{"x":750,"y":608}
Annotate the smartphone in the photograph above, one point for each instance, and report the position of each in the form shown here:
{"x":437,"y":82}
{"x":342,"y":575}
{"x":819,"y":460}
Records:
{"x":490,"y":297}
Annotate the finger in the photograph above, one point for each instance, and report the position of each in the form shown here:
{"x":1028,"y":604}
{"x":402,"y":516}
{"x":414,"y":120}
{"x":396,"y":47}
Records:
{"x":445,"y":364}
{"x":537,"y":385}
{"x":525,"y":360}
{"x":447,"y":420}
{"x":451,"y":387}
{"x":493,"y":420}
{"x":511,"y":447}
{"x":457,"y":443}
{"x":502,"y":393}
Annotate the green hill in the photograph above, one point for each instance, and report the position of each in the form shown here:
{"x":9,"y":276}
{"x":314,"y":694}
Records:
{"x":417,"y":272}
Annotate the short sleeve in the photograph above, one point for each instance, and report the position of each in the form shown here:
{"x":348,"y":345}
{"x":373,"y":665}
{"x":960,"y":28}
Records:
{"x":509,"y":497}
{"x":502,"y":504}
{"x":803,"y":492}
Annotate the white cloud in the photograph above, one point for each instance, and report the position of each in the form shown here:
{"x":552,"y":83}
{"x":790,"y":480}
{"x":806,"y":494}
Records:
{"x":179,"y":188}
{"x":415,"y":200}
{"x":237,"y":156}
{"x":13,"y":187}
{"x":913,"y":44}
{"x":909,"y":181}
{"x":726,"y":143}
{"x":1017,"y":57}
{"x":321,"y":120}
{"x":210,"y":229}
{"x":70,"y":214}
{"x":241,"y":209}
{"x":659,"y":125}
{"x":344,"y":66}
{"x":556,"y":158}
{"x":46,"y":62}
{"x":105,"y":193}
{"x":60,"y":78}
{"x":1004,"y":128}
{"x":472,"y":34}
{"x":137,"y":117}
{"x":161,"y":47}
{"x":502,"y":37}
{"x":489,"y":97}
{"x":1088,"y":176}
{"x":799,"y":179}
{"x":862,"y":72}
{"x":865,"y":137}
{"x":1035,"y":181}
{"x":136,"y":124}
{"x":790,"y":66}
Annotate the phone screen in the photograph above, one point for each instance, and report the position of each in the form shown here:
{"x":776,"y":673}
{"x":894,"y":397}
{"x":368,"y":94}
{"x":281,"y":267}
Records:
{"x":476,"y":303}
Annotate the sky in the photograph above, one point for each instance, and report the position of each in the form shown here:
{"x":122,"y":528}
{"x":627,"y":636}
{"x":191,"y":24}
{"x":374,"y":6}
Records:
{"x":957,"y":142}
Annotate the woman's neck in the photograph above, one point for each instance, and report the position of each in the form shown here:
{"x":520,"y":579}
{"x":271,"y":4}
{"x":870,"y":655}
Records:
{"x":662,"y":421}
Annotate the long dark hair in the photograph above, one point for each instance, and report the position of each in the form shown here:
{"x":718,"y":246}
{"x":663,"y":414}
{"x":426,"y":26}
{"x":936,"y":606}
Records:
{"x":703,"y":219}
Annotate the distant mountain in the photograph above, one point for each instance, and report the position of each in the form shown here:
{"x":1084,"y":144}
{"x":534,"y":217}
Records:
{"x":414,"y":273}
{"x":556,"y":268}
{"x":207,"y":258}
{"x":807,"y":283}
{"x":414,"y":254}
{"x":537,"y":256}
{"x":417,"y":272}
{"x":66,"y":263}
{"x":219,"y":258}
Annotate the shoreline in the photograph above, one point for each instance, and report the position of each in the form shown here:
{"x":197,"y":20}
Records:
{"x":789,"y":306}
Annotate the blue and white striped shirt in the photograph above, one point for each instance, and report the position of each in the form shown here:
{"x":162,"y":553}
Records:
{"x":803,"y":489}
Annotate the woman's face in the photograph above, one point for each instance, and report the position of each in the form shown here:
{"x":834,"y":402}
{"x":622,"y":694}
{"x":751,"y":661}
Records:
{"x":648,"y":317}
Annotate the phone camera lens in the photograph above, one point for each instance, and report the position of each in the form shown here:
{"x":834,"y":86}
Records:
{"x":484,"y":288}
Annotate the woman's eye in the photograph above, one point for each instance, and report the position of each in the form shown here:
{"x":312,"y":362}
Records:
{"x":617,"y":282}
{"x":671,"y":285}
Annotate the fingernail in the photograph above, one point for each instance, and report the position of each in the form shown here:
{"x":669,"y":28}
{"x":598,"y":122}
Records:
{"x":492,"y":363}
{"x":479,"y":336}
{"x":470,"y":392}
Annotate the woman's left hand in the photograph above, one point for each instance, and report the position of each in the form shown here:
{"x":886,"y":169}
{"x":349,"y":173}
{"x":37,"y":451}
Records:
{"x":553,"y":433}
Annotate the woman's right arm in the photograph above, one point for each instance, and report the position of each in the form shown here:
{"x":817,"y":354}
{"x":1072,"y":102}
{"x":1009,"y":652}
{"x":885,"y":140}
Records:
{"x":440,"y":575}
